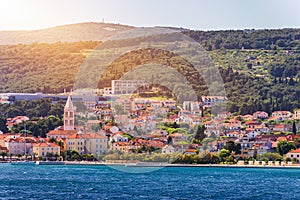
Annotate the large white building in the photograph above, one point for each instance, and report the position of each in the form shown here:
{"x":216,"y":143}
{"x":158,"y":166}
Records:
{"x":87,"y":143}
{"x":126,"y":86}
{"x":213,"y":100}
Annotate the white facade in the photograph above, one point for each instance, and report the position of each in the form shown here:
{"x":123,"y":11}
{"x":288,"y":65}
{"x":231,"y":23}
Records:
{"x":126,"y":86}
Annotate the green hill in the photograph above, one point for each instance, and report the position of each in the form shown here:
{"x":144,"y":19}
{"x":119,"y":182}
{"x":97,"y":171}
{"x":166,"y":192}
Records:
{"x":260,"y":68}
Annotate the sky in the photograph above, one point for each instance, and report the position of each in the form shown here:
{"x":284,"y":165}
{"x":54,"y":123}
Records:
{"x":192,"y":14}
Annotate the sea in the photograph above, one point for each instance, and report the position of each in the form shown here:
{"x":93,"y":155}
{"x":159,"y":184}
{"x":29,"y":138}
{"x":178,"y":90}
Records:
{"x":105,"y":182}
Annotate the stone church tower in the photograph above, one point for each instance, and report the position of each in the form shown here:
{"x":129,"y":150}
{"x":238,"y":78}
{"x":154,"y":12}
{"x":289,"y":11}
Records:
{"x":69,"y":115}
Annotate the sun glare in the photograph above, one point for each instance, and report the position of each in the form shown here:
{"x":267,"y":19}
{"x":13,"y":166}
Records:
{"x":18,"y":13}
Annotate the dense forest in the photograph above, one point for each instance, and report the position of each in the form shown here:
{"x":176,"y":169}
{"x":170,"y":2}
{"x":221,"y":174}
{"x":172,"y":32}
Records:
{"x":260,"y":68}
{"x":287,"y":39}
{"x":44,"y":115}
{"x":41,"y":67}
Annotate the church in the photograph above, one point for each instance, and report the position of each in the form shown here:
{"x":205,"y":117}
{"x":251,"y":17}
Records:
{"x":84,"y":143}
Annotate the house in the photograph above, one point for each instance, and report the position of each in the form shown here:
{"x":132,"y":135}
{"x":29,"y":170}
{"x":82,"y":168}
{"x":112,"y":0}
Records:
{"x":252,"y":124}
{"x":233,"y":134}
{"x":114,"y":129}
{"x":294,"y":154}
{"x":245,"y":117}
{"x":296,"y":114}
{"x":44,"y":149}
{"x":118,"y":137}
{"x":251,"y":133}
{"x":16,"y":146}
{"x":283,"y":114}
{"x":178,"y":137}
{"x":224,"y":114}
{"x":155,"y":144}
{"x":87,"y":143}
{"x":120,"y":146}
{"x":16,"y":120}
{"x":171,"y":104}
{"x":58,"y":133}
{"x":281,"y":128}
{"x":260,"y":115}
{"x":168,"y":149}
{"x":261,"y":129}
{"x":213,"y":100}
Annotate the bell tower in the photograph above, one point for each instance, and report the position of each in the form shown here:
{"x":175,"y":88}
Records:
{"x":69,"y":115}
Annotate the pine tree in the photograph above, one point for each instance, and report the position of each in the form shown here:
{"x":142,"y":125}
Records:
{"x":294,"y":127}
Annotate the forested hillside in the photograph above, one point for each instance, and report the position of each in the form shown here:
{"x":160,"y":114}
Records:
{"x":41,"y":67}
{"x":260,"y":69}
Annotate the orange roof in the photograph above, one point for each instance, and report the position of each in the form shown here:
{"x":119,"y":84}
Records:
{"x":44,"y":144}
{"x":61,"y":132}
{"x":279,"y":126}
{"x":281,"y":138}
{"x":295,"y":151}
{"x":121,"y":144}
{"x":190,"y":150}
{"x":3,"y":136}
{"x":86,"y":135}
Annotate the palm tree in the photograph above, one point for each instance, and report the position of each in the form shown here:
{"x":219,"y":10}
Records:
{"x":34,"y":154}
{"x":61,"y":144}
{"x":19,"y":156}
{"x":56,"y":156}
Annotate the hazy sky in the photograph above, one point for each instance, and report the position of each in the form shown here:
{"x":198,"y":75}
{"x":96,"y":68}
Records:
{"x":194,"y":14}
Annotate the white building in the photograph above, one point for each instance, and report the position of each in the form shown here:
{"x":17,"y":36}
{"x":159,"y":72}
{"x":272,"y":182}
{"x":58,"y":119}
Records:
{"x":294,"y":154}
{"x":126,"y":86}
{"x":213,"y":100}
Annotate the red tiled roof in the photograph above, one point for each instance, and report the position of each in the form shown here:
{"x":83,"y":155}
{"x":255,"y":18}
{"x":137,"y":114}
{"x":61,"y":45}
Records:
{"x":295,"y":151}
{"x":44,"y":144}
{"x":61,"y":132}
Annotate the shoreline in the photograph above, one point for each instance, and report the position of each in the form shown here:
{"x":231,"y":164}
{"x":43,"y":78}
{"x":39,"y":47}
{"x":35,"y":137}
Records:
{"x":153,"y":164}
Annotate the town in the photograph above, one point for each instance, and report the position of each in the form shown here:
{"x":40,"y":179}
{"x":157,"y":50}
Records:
{"x":121,"y":126}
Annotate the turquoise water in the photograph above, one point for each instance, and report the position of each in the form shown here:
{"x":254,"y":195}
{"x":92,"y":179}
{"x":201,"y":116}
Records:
{"x":101,"y":182}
